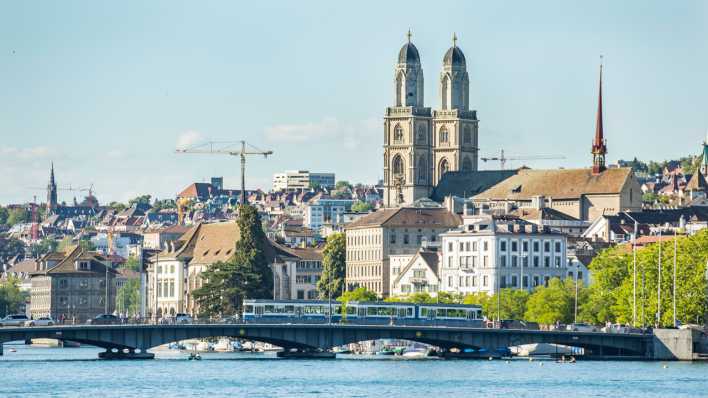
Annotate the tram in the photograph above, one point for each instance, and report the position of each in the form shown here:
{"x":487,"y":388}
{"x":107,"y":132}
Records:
{"x":363,"y":312}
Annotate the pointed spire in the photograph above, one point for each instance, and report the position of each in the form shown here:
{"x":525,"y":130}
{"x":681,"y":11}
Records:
{"x":599,"y":147}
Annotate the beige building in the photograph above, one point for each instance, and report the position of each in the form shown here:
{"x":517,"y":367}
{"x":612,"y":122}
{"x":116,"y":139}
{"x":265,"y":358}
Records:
{"x":71,"y":285}
{"x":419,"y":274}
{"x":296,"y":272}
{"x":420,"y":147}
{"x":579,"y":193}
{"x":372,"y":239}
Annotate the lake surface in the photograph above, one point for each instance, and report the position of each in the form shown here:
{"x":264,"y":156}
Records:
{"x":75,"y":372}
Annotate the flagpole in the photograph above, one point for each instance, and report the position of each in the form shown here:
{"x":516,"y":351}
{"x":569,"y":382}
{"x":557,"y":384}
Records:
{"x":674,"y":289}
{"x":634,"y":277}
{"x":658,"y":294}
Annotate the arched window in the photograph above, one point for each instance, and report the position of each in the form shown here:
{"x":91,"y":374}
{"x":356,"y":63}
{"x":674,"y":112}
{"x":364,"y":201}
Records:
{"x":443,"y":135}
{"x":422,"y":170}
{"x":444,"y":167}
{"x":467,"y":135}
{"x":398,"y":165}
{"x":399,"y":89}
{"x":466,"y":164}
{"x":445,"y":85}
{"x":398,"y":133}
{"x":421,"y":134}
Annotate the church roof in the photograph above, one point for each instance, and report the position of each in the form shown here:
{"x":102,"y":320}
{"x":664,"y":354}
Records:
{"x":408,"y":54}
{"x":408,"y":217}
{"x":697,"y":182}
{"x":558,"y":184}
{"x":467,"y":184}
{"x":454,"y":57}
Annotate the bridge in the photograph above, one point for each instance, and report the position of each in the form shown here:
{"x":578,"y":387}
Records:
{"x":131,"y":341}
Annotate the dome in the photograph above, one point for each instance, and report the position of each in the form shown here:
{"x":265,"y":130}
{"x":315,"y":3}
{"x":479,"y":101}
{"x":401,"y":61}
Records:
{"x":454,"y":57}
{"x":408,"y":54}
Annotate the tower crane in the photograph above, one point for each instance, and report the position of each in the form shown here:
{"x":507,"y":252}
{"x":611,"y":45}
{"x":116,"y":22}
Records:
{"x":216,"y":148}
{"x":503,"y":159}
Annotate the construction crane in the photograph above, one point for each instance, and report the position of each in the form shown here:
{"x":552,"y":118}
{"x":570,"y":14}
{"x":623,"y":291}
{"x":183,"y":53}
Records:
{"x":213,"y":148}
{"x":503,"y":159}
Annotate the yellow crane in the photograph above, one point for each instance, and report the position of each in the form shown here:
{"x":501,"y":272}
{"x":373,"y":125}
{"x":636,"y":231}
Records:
{"x":223,"y":148}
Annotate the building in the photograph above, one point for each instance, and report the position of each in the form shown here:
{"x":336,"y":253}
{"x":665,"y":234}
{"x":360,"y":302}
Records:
{"x":620,"y":227}
{"x":373,"y":238}
{"x":418,"y":273}
{"x":420,"y":146}
{"x":203,"y":191}
{"x":158,"y":238}
{"x":75,"y":285}
{"x":487,"y":253}
{"x":295,"y":180}
{"x":296,"y":272}
{"x":88,"y":208}
{"x":326,"y":212}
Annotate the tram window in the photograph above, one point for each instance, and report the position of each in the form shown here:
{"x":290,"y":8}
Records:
{"x":268,"y":309}
{"x":248,"y":309}
{"x":409,"y":311}
{"x":441,"y":313}
{"x":290,"y":309}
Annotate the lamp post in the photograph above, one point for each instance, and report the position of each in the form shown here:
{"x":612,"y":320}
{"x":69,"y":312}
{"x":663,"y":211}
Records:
{"x":658,"y":293}
{"x":674,"y":287}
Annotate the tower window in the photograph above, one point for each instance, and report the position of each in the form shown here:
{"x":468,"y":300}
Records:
{"x":422,"y":170}
{"x":444,"y":136}
{"x":397,"y":165}
{"x":444,"y":167}
{"x":398,"y":134}
{"x":421,"y":134}
{"x":467,"y":135}
{"x":466,"y":164}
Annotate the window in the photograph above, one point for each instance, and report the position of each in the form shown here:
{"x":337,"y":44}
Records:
{"x":547,"y":246}
{"x":502,"y":245}
{"x":485,"y":280}
{"x":467,"y":135}
{"x":514,"y":245}
{"x":502,"y":261}
{"x":398,"y":165}
{"x":393,"y":237}
{"x":397,"y":134}
{"x":449,"y":281}
{"x":63,"y":283}
{"x":558,"y":247}
{"x":466,"y":164}
{"x":84,"y":265}
{"x":535,"y":246}
{"x":405,"y":239}
{"x":84,"y":283}
{"x":474,"y":246}
{"x":514,"y":261}
{"x":484,"y":261}
{"x":63,"y":300}
{"x":514,"y":281}
{"x":535,"y":261}
{"x":525,"y":246}
{"x":462,"y":246}
{"x":547,"y":262}
{"x":83,"y":300}
{"x":535,"y":280}
{"x":172,"y":268}
{"x":422,"y":169}
{"x":467,"y":246}
{"x":443,"y":138}
{"x":485,"y":246}
{"x":443,"y":168}
{"x":502,"y":282}
{"x":450,"y":247}
{"x":419,"y":273}
{"x":421,"y":133}
{"x":557,"y":261}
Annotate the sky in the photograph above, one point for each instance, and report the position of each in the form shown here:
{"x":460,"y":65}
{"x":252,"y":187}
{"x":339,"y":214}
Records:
{"x":108,"y":90}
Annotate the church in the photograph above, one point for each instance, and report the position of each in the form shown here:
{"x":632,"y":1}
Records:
{"x":434,"y":154}
{"x":422,"y":147}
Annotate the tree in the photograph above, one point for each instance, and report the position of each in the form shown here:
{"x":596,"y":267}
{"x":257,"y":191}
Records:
{"x":164,"y":204}
{"x":9,"y":248}
{"x":43,"y":247}
{"x":649,"y":197}
{"x":132,"y":263}
{"x":140,"y":200}
{"x":246,"y":275}
{"x":128,"y":298}
{"x":3,"y":215}
{"x":17,"y":216}
{"x":333,"y":266}
{"x":11,"y":298}
{"x":553,"y":303}
{"x":358,"y":294}
{"x":361,"y":207}
{"x":510,"y":304}
{"x":117,"y":206}
{"x":343,"y":184}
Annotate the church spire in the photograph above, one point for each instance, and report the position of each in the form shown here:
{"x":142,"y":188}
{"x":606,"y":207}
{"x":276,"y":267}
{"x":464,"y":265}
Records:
{"x":599,"y":144}
{"x":51,"y":192}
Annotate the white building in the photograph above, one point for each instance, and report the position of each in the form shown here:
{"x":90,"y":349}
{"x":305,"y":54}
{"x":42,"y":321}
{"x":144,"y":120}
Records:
{"x":326,"y":212}
{"x":293,"y":180}
{"x":415,"y":274}
{"x":488,"y":253}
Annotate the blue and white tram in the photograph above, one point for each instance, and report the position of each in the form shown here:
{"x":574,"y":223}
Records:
{"x":376,"y":312}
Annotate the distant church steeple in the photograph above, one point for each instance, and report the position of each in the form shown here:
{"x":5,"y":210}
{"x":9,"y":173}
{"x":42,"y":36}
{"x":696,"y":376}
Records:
{"x":51,"y":192}
{"x":599,"y":144}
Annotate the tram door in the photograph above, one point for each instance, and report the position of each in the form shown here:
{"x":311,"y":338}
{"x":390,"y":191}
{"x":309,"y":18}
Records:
{"x":258,"y":311}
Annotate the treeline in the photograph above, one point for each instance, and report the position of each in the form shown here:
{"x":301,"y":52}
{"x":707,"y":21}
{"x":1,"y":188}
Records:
{"x":689,"y":164}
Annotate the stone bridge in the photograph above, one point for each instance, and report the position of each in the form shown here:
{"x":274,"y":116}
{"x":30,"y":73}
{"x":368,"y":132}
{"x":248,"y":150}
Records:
{"x":132,"y":341}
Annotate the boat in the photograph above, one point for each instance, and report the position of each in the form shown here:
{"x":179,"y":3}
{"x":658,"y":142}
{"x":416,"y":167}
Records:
{"x":415,"y":354}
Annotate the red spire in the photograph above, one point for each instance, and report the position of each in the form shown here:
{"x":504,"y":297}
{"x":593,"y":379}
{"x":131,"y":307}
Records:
{"x":599,"y":148}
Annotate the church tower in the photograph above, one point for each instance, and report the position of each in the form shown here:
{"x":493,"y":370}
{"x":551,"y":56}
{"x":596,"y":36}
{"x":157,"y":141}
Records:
{"x":407,"y":134}
{"x":51,"y":192}
{"x":455,"y":127}
{"x":599,"y":144}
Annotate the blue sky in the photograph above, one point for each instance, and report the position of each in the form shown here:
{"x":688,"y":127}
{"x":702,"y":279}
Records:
{"x":107,"y":90}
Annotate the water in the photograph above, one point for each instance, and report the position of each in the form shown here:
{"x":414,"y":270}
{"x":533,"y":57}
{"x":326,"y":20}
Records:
{"x":75,"y":372}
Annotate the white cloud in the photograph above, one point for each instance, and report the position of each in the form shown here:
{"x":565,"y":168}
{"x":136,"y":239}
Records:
{"x":329,"y":129}
{"x":26,"y":153}
{"x":189,"y":138}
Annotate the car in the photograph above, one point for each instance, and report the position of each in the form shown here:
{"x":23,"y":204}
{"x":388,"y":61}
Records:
{"x":230,"y":319}
{"x":183,"y":318}
{"x":14,"y":320}
{"x":41,"y":321}
{"x":581,"y":327}
{"x":104,"y":319}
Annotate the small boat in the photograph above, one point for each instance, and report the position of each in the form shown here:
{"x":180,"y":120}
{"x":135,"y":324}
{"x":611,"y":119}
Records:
{"x":195,"y":357}
{"x":415,"y":354}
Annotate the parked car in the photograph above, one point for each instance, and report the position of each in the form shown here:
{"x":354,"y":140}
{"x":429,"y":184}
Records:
{"x":41,"y":321}
{"x":183,"y":318}
{"x":230,"y":319}
{"x":581,"y":327}
{"x":104,"y":319}
{"x":14,"y":320}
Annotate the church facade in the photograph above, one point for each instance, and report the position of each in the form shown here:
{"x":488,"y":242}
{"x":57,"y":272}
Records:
{"x":420,"y":145}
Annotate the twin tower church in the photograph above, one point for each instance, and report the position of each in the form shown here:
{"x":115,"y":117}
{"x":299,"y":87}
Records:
{"x":421,"y":145}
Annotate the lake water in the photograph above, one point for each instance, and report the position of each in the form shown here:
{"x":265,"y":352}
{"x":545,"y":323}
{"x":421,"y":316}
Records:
{"x":75,"y":372}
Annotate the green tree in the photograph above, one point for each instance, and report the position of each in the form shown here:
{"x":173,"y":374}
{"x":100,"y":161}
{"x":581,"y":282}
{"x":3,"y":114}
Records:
{"x":43,"y":247}
{"x":361,"y":207}
{"x":246,"y":275}
{"x":117,"y":206}
{"x":141,"y":200}
{"x":128,"y":298}
{"x":333,"y":266}
{"x":553,"y":303}
{"x":510,"y":304}
{"x":17,"y":216}
{"x":649,"y":197}
{"x":11,"y":298}
{"x":164,"y":204}
{"x":3,"y":215}
{"x":9,"y":248}
{"x":343,"y":184}
{"x":132,"y":263}
{"x":358,"y":294}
